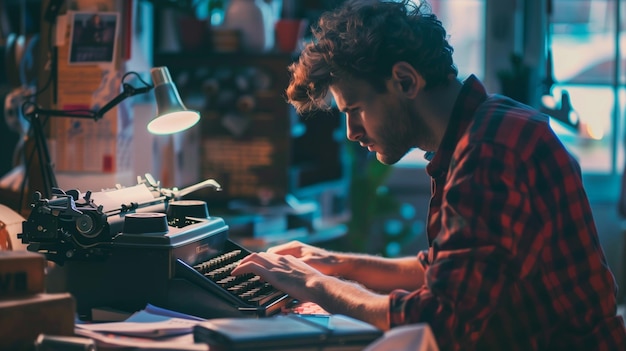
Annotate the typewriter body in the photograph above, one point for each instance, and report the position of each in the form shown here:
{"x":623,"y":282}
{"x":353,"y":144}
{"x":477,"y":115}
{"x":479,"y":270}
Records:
{"x":160,"y":250}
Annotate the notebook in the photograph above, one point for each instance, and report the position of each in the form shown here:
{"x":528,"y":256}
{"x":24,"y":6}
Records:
{"x":286,"y":332}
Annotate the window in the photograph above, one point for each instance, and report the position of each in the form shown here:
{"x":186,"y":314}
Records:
{"x":585,"y":42}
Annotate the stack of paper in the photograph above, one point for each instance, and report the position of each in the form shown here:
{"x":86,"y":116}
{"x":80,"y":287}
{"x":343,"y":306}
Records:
{"x":152,"y":328}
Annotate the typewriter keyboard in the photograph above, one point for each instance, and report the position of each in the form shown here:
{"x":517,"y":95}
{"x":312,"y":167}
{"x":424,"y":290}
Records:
{"x":247,"y":287}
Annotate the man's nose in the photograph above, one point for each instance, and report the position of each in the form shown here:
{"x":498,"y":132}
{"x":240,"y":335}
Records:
{"x":354,"y":130}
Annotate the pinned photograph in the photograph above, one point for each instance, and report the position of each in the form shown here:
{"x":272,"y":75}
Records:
{"x":93,"y":37}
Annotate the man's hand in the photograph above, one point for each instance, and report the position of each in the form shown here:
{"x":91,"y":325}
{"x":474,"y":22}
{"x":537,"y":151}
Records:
{"x":285,"y":267}
{"x":285,"y":272}
{"x":320,"y":259}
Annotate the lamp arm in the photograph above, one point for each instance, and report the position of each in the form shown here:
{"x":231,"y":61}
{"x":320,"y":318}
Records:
{"x":171,"y":100}
{"x":61,"y":113}
{"x":47,"y":173}
{"x":127,"y":91}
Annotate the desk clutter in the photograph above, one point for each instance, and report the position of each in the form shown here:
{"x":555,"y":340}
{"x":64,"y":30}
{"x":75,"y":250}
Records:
{"x":144,"y":269}
{"x":157,"y":328}
{"x":152,"y":328}
{"x":125,"y":251}
{"x":26,"y":310}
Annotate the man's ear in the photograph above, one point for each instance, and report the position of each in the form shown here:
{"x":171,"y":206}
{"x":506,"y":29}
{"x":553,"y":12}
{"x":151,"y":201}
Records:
{"x":406,"y":79}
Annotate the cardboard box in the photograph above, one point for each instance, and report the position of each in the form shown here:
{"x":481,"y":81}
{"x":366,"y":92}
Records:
{"x":23,"y":319}
{"x":22,"y":273}
{"x":13,"y":225}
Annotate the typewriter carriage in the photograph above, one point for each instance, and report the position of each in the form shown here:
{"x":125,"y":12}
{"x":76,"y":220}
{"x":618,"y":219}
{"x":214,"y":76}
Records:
{"x":72,"y":226}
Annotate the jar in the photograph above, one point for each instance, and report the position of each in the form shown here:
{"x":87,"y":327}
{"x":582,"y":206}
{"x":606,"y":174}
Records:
{"x":255,"y":22}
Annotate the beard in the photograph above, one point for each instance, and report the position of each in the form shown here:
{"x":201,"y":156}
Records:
{"x":408,"y":131}
{"x":391,"y":154}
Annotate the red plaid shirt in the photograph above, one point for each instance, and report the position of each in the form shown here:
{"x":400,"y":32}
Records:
{"x":514,"y":261}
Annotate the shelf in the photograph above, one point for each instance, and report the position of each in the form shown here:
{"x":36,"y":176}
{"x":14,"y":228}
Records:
{"x":205,"y":57}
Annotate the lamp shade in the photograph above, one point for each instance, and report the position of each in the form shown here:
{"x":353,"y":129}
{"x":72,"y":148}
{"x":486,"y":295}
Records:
{"x":172,"y":115}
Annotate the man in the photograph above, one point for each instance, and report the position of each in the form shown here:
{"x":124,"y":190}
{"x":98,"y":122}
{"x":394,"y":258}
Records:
{"x":514,"y":261}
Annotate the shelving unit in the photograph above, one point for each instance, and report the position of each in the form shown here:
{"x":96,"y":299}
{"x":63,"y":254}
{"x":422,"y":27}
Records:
{"x":255,"y":145}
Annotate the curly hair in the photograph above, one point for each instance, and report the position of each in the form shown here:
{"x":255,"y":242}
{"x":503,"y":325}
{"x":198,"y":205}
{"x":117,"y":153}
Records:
{"x":363,"y":39}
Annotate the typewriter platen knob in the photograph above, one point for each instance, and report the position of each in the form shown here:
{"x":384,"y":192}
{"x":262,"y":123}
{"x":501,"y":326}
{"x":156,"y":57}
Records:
{"x":145,"y":223}
{"x":85,"y":226}
{"x":179,"y":210}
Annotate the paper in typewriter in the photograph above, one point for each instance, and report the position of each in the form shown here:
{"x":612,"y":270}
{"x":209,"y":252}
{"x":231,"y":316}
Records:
{"x":113,"y":199}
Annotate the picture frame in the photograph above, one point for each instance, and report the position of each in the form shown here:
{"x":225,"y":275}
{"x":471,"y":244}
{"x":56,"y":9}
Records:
{"x":93,"y":37}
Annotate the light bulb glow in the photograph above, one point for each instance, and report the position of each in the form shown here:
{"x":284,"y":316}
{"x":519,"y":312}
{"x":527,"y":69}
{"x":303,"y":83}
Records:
{"x":173,"y":122}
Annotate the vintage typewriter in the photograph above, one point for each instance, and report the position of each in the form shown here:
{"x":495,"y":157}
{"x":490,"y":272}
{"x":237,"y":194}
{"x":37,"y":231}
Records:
{"x":123,"y":248}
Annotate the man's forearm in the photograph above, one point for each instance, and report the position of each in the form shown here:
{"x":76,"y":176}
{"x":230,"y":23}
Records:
{"x":338,"y":296}
{"x":374,"y":272}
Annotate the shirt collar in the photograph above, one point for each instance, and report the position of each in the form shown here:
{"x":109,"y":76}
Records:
{"x":472,"y":94}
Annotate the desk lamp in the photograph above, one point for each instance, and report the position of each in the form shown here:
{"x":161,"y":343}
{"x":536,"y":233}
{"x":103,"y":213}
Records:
{"x":172,"y":117}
